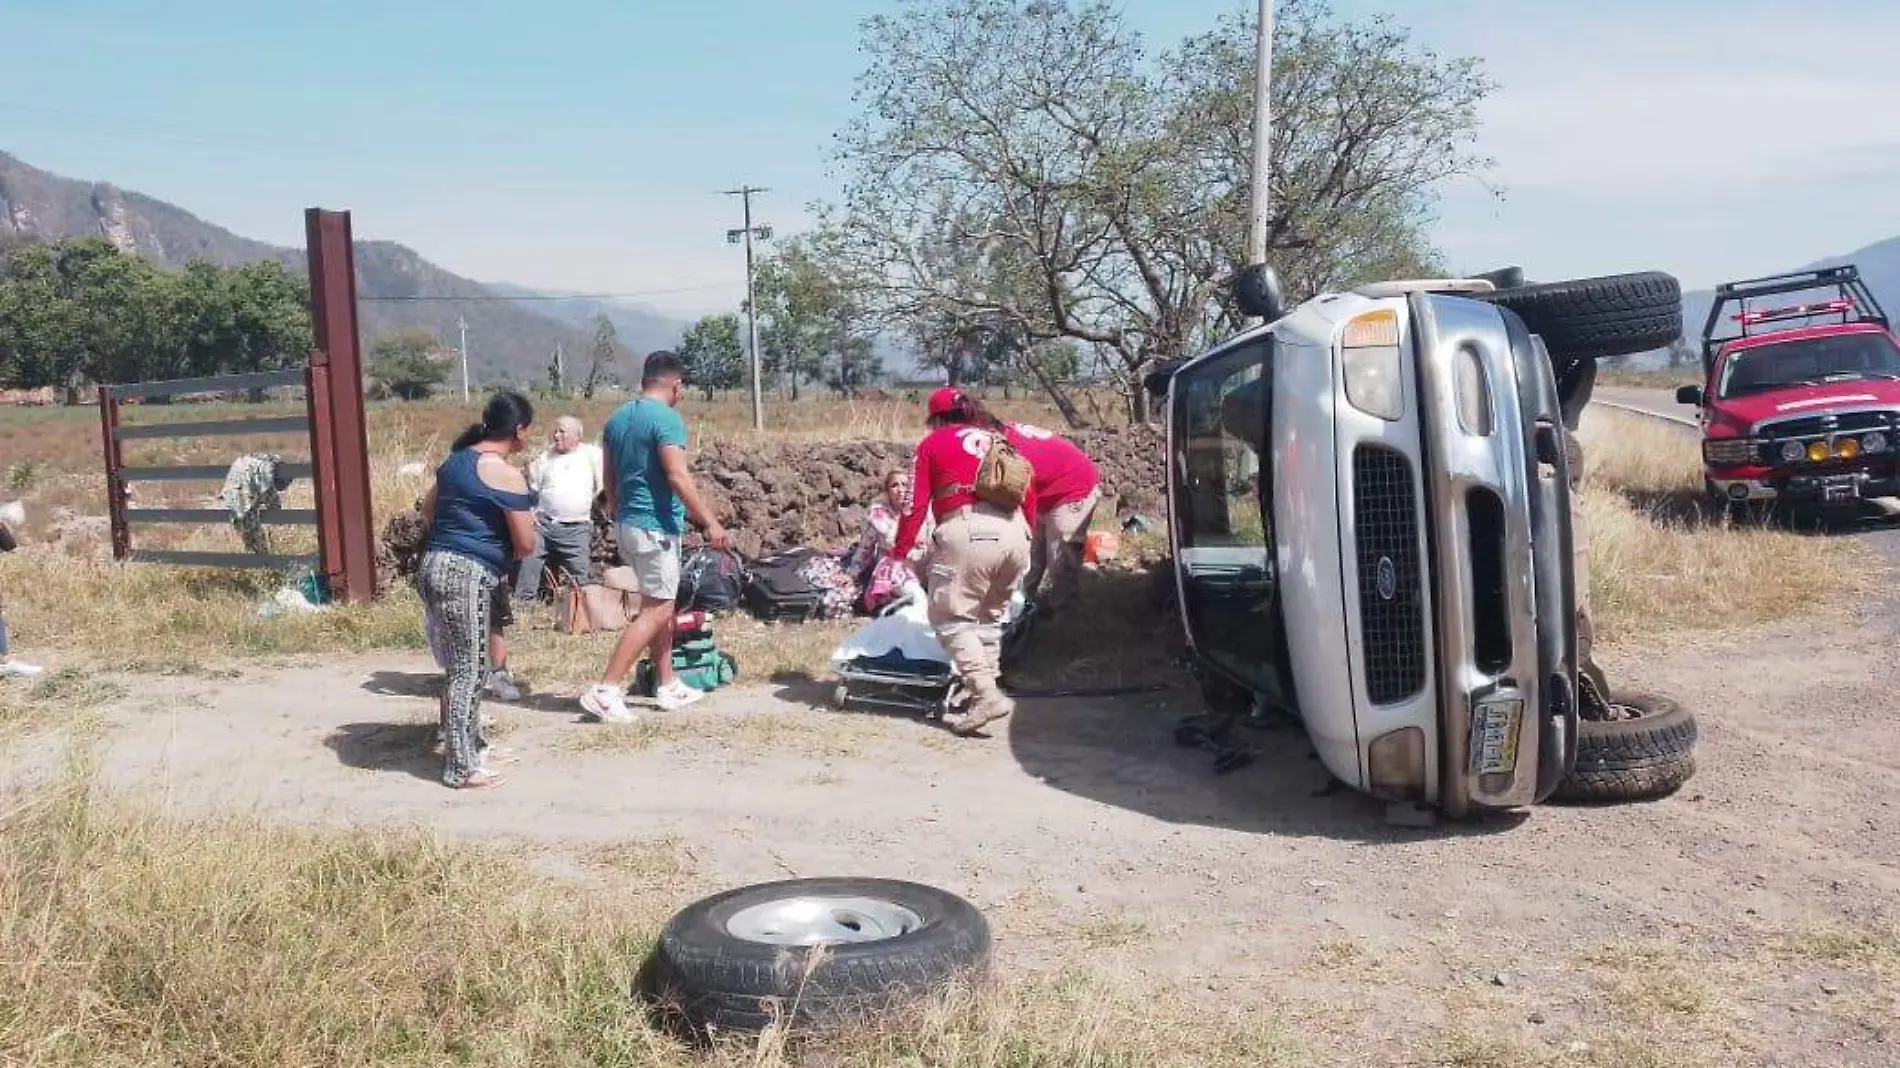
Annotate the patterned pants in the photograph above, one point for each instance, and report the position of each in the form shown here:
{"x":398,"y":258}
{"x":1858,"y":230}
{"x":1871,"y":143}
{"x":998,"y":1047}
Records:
{"x":460,"y":592}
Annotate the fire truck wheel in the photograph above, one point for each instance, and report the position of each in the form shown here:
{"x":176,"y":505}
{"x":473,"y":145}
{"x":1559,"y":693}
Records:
{"x":1597,"y":317}
{"x":1645,"y":753}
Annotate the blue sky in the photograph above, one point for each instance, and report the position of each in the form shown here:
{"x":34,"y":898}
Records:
{"x":579,"y":144}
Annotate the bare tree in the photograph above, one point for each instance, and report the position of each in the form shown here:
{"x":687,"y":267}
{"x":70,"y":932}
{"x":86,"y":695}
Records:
{"x":1023,"y":165}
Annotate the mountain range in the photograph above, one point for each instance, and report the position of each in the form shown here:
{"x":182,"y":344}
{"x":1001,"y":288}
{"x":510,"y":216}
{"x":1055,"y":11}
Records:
{"x":510,"y":340}
{"x":513,"y":330}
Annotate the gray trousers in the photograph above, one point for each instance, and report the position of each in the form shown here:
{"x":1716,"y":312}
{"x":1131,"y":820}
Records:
{"x":565,"y":545}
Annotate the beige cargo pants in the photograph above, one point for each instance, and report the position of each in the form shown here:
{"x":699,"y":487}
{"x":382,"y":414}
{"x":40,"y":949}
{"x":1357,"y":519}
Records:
{"x":977,"y":557}
{"x":1061,"y":535}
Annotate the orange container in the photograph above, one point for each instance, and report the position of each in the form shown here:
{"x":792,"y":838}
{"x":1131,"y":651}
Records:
{"x":1101,"y":545}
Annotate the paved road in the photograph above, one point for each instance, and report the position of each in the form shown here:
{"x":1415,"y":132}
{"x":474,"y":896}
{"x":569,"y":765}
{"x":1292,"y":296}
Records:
{"x":1657,"y":402}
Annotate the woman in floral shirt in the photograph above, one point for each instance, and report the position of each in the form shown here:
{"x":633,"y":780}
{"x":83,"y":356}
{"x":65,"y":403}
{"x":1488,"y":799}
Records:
{"x":881,"y":578}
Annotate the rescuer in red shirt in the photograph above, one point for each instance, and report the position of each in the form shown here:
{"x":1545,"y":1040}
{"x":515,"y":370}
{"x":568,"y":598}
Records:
{"x":979,"y":551}
{"x":1068,"y":488}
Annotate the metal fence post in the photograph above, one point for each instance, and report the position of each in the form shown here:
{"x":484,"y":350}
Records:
{"x":115,"y":463}
{"x":345,"y":464}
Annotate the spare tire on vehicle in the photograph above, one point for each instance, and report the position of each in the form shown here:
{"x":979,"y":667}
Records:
{"x":1648,"y":751}
{"x":1596,"y":317}
{"x":810,"y":954}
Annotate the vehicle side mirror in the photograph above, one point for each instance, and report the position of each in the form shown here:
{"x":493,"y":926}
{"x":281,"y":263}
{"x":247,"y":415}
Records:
{"x":1689,"y":395}
{"x":1504,"y":277}
{"x":1257,"y":291}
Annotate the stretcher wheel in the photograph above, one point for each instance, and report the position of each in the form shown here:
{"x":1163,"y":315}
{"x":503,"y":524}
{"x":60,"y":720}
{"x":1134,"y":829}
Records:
{"x":840,"y":695}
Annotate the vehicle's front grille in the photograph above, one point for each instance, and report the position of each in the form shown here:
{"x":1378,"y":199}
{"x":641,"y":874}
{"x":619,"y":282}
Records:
{"x":1815,"y":425}
{"x":1391,"y":601}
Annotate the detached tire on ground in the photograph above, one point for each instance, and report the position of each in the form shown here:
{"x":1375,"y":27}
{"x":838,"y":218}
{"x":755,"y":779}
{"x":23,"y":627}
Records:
{"x":1595,"y":317}
{"x":812,"y":954}
{"x":1648,"y":753}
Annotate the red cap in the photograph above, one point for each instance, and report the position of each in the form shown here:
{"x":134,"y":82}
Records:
{"x":945,"y":401}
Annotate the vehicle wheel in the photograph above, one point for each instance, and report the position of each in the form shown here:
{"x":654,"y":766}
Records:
{"x":1596,"y":317}
{"x":746,"y":958}
{"x":840,"y":696}
{"x":1646,"y":753}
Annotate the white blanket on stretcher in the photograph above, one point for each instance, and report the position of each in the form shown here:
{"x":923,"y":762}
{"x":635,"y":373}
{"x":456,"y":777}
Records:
{"x":904,"y":628}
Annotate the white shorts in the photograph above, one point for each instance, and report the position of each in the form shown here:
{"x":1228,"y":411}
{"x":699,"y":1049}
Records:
{"x":654,"y":558}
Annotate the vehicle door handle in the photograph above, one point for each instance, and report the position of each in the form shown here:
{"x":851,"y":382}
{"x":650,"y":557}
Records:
{"x":1547,"y":444}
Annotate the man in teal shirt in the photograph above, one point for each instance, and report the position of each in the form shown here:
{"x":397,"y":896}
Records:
{"x":651,"y":495}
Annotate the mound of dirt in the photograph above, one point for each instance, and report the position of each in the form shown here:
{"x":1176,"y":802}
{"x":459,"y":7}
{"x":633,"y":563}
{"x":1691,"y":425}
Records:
{"x":780,"y":495}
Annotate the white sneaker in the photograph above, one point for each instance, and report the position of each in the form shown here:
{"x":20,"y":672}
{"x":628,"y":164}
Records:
{"x":20,"y":669}
{"x":676,"y":696}
{"x":502,"y":685}
{"x":606,"y":704}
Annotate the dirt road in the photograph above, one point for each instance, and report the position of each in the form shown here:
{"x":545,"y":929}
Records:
{"x":1708,"y":923}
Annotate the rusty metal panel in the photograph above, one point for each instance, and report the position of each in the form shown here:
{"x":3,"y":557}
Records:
{"x":333,"y":310}
{"x":323,"y":477}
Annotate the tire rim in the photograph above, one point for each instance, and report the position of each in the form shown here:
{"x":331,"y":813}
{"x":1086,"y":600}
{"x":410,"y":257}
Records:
{"x":812,"y":920}
{"x":1621,"y":712}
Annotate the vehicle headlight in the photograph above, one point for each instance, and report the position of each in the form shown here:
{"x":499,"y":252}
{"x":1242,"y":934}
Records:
{"x":1728,"y":452}
{"x":1369,"y":355}
{"x":1817,"y":451}
{"x":1874,"y":442}
{"x":1792,"y":452}
{"x":1847,"y":448}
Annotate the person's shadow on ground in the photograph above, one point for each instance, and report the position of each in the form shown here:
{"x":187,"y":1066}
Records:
{"x":405,"y":747}
{"x":424,"y":684}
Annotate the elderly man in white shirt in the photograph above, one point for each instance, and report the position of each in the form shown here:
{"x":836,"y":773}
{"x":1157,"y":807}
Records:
{"x":568,"y":477}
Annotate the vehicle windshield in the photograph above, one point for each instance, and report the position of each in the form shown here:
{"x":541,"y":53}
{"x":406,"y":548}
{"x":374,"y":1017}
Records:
{"x":1220,"y":426}
{"x":1811,"y":361}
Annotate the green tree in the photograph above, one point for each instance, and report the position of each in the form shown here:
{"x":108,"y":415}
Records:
{"x":713,"y":354}
{"x":404,"y":363}
{"x":79,"y":311}
{"x":816,"y":322}
{"x":1103,"y":198}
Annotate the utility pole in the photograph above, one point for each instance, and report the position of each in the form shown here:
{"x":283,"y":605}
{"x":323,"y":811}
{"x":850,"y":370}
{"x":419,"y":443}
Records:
{"x":1262,"y":133}
{"x":461,"y":322}
{"x":733,"y":237}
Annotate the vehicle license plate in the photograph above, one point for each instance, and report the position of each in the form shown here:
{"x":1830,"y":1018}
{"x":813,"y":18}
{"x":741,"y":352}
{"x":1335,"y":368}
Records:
{"x":1495,"y":726}
{"x":1844,"y":490}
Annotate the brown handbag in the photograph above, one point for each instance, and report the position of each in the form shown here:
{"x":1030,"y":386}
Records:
{"x":582,"y":608}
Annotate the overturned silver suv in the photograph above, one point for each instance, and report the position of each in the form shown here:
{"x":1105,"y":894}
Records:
{"x":1370,"y":508}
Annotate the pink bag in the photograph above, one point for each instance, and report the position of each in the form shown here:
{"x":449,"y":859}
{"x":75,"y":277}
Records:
{"x":887,"y":579}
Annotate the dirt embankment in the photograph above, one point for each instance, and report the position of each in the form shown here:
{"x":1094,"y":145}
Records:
{"x":775,"y":496}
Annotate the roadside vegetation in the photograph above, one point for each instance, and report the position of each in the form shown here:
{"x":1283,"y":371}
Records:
{"x":1663,"y":559}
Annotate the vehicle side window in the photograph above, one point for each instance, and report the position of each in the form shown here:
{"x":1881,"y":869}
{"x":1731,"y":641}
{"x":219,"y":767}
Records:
{"x":1221,"y":423}
{"x":1222,"y":414}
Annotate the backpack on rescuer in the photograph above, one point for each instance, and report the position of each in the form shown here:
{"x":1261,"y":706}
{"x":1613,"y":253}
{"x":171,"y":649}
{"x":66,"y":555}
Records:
{"x":1003,"y":478}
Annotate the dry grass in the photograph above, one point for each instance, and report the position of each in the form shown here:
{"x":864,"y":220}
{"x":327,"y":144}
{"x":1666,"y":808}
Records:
{"x":1662,"y":559}
{"x":134,"y":939}
{"x":1659,"y":379}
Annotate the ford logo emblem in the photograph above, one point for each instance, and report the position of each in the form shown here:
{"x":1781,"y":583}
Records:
{"x":1388,"y":578}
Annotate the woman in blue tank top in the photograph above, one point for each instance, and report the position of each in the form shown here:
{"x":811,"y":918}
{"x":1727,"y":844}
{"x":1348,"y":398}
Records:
{"x":480,"y":520}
